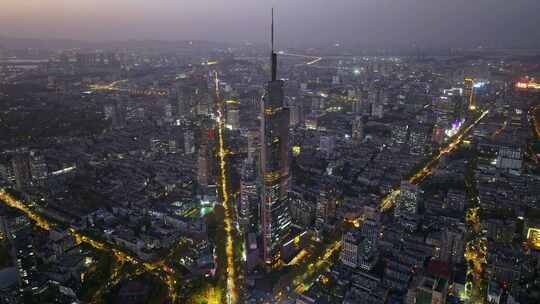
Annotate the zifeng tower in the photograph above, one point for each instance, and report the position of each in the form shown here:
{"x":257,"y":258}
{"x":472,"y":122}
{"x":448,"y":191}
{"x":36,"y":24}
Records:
{"x":275,"y":218}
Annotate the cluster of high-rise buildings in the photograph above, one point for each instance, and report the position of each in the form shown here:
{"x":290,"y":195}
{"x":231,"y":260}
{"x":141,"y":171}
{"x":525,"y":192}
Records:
{"x":353,"y":178}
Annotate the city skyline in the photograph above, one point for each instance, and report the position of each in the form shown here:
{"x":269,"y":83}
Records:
{"x":398,"y":161}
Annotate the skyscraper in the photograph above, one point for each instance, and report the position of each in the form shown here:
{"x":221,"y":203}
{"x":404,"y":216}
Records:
{"x":419,"y":137}
{"x":21,"y":169}
{"x":249,"y":197}
{"x":407,"y":205}
{"x":358,"y":129}
{"x":349,"y":253}
{"x":233,"y":119}
{"x":468,"y":92}
{"x":327,"y":145}
{"x":326,"y":205}
{"x":189,"y":142}
{"x":253,"y":140}
{"x":203,"y":165}
{"x":38,"y":167}
{"x":453,"y":244}
{"x":275,"y":216}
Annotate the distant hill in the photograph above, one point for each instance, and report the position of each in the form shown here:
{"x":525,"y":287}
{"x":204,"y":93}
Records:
{"x":25,"y":43}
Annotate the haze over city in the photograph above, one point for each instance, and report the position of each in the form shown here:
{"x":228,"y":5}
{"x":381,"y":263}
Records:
{"x":369,"y":23}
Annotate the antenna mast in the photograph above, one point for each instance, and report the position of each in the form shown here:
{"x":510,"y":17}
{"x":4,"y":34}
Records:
{"x":274,"y":55}
{"x":272,"y":30}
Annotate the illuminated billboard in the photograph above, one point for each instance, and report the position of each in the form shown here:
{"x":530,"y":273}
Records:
{"x":533,"y":236}
{"x":453,"y":130}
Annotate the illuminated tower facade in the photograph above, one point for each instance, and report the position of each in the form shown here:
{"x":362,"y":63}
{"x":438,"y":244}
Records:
{"x":275,"y":217}
{"x":468,"y":92}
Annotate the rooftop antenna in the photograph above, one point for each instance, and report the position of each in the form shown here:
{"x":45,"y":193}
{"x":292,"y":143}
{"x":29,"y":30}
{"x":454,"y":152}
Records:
{"x":272,"y":30}
{"x":274,"y":55}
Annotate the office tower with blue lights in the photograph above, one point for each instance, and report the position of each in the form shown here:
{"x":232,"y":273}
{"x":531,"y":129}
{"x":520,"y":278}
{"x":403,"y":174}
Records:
{"x":275,"y":217}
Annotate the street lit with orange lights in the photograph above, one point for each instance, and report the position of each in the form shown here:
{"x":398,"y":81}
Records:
{"x":231,"y":276}
{"x":314,"y":269}
{"x":389,"y":200}
{"x":456,"y":141}
{"x":15,"y":203}
{"x":41,"y":222}
{"x":529,"y":84}
{"x":120,"y":256}
{"x":113,"y":86}
{"x":304,"y":279}
{"x":475,"y":250}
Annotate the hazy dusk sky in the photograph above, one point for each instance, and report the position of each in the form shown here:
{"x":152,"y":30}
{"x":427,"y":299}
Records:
{"x":365,"y":22}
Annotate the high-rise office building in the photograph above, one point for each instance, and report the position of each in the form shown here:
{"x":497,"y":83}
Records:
{"x":327,"y":145}
{"x":351,"y":94}
{"x":359,"y":101}
{"x":431,"y":289}
{"x":399,"y":132}
{"x":419,"y":138}
{"x":115,"y":114}
{"x":335,"y":80}
{"x":203,"y":165}
{"x":468,"y":92}
{"x":205,"y":161}
{"x":232,"y":114}
{"x":370,"y":230}
{"x":326,"y":206}
{"x":358,"y":129}
{"x":249,"y":197}
{"x":189,"y":142}
{"x":295,"y":115}
{"x":109,"y":111}
{"x":233,"y":119}
{"x":377,"y":110}
{"x":367,"y":253}
{"x":453,"y":244}
{"x":182,"y":106}
{"x":444,"y":109}
{"x":173,"y":148}
{"x":407,"y":205}
{"x":38,"y":167}
{"x":253,"y":141}
{"x":302,"y":210}
{"x":375,"y":101}
{"x":6,"y":170}
{"x":509,"y":158}
{"x":275,"y":215}
{"x":155,"y":145}
{"x":360,"y":246}
{"x":167,"y":111}
{"x":349,"y":253}
{"x":21,"y":170}
{"x":357,"y":106}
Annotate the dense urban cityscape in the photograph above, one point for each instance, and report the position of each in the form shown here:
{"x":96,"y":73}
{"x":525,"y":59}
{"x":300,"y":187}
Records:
{"x":215,"y":172}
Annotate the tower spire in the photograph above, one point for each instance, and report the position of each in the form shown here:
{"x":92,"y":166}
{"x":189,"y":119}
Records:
{"x":274,"y":55}
{"x":272,"y":31}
